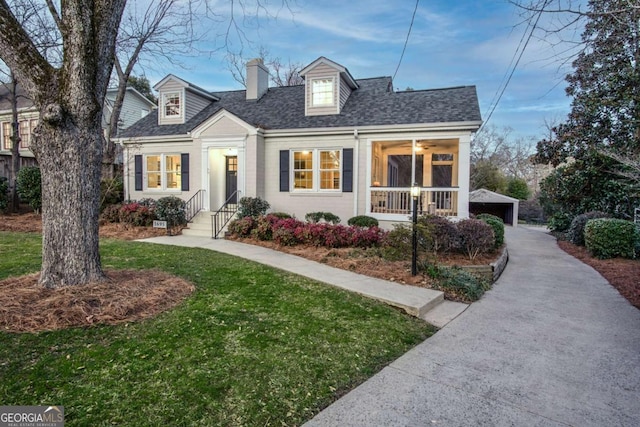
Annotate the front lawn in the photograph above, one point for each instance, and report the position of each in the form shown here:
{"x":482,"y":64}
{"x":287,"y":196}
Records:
{"x":252,"y":346}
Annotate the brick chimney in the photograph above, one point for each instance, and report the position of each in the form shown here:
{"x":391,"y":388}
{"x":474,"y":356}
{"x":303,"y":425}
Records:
{"x":257,"y":79}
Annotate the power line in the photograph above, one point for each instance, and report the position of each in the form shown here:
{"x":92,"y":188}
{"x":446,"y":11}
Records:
{"x":497,"y":100}
{"x":413,"y":17}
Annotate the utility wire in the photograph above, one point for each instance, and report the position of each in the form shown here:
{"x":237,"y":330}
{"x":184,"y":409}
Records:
{"x":407,"y":39}
{"x":533,"y":27}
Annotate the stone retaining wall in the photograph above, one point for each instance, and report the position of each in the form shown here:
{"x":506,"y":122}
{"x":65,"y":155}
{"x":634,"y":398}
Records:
{"x":492,"y":271}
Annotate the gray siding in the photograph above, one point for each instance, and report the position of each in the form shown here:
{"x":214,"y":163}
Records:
{"x":194,"y":104}
{"x":345,"y":91}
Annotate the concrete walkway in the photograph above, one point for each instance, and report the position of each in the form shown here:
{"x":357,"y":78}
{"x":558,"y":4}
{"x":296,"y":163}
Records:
{"x":420,"y":302}
{"x":552,"y":344}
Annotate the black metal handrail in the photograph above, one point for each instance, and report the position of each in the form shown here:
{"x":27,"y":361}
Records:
{"x":224,"y":215}
{"x":194,"y":205}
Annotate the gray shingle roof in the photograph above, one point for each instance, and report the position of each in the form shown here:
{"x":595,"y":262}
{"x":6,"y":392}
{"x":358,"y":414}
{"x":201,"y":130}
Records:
{"x":373,"y":103}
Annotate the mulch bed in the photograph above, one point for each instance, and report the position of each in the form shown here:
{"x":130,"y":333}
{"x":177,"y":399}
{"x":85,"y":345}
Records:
{"x":623,"y":274}
{"x":128,"y":296}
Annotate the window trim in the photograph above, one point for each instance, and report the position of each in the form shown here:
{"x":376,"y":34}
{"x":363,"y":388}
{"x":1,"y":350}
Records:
{"x":165,"y":97}
{"x":163,"y":173}
{"x":333,"y":92}
{"x":315,"y":170}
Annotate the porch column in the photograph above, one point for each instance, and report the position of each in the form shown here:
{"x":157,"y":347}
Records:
{"x":464,"y":172}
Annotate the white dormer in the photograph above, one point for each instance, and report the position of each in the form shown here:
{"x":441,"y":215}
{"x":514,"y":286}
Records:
{"x":327,"y":87}
{"x":179,"y":100}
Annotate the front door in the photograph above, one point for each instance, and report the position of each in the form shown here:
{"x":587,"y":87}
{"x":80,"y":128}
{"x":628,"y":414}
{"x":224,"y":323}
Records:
{"x":231,"y":170}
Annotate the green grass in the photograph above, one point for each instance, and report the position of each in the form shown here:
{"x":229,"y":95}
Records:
{"x":253,"y":346}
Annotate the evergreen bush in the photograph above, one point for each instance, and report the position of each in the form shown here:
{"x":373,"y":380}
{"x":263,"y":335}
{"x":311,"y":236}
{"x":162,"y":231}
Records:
{"x":171,"y":209}
{"x":498,"y":227}
{"x":252,"y":206}
{"x":575,"y":233}
{"x":316,"y":217}
{"x":609,"y":238}
{"x":4,"y":193}
{"x":363,"y":221}
{"x":30,"y":186}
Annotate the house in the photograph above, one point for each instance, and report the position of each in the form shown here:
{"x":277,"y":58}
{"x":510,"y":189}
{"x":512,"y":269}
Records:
{"x":134,"y":107}
{"x":336,"y":143}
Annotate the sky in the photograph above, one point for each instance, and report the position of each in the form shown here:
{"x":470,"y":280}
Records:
{"x":452,"y":43}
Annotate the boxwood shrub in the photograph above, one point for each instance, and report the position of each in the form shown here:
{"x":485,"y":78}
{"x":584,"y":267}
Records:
{"x":316,"y":217}
{"x":498,"y":227}
{"x":610,"y":238}
{"x":252,"y":206}
{"x":171,"y":209}
{"x":363,"y":221}
{"x":575,"y":234}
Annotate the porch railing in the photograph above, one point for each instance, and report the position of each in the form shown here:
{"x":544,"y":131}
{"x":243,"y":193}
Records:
{"x":224,"y":215}
{"x":442,"y":201}
{"x":194,"y":205}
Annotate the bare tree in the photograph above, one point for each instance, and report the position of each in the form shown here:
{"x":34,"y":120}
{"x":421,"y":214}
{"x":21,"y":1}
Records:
{"x":68,"y":140}
{"x":160,"y":30}
{"x":46,"y":39}
{"x":280,"y":74}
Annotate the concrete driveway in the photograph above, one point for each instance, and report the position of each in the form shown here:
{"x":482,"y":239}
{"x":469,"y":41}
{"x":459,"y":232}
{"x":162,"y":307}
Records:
{"x":552,"y":344}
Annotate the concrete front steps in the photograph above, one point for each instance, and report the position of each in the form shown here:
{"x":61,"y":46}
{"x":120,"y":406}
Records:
{"x":199,"y":226}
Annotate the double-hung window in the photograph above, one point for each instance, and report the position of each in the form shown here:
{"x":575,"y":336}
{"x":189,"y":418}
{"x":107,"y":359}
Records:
{"x":172,"y":105}
{"x":317,"y":170}
{"x":6,"y":135}
{"x":26,"y":130}
{"x":322,"y":92}
{"x":162,"y":172}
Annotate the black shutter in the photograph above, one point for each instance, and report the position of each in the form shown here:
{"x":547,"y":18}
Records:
{"x":347,"y":170}
{"x":284,"y":170}
{"x":184,"y":169}
{"x":138,"y":171}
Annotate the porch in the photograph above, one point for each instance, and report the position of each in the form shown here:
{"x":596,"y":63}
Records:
{"x":398,"y":201}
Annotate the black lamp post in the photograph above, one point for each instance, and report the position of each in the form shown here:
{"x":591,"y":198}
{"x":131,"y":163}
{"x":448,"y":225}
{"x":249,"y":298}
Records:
{"x":415,"y":194}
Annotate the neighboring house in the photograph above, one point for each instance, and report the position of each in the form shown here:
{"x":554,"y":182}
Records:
{"x":135,"y":106}
{"x":351,"y":147}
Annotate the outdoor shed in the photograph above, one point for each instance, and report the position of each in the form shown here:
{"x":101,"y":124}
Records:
{"x":485,"y":201}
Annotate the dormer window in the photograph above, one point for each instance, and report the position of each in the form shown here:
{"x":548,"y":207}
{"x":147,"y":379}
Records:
{"x":171,"y":105}
{"x":322,"y":92}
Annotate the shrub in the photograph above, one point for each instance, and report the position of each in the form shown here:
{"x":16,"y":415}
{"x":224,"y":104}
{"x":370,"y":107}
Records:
{"x":498,"y":228}
{"x":147,"y":202}
{"x":559,"y":222}
{"x":575,"y":233}
{"x":171,"y":209}
{"x":476,"y":237}
{"x":4,"y":193}
{"x":461,"y":283}
{"x":531,"y":212}
{"x":610,"y":238}
{"x":437,"y":234}
{"x":137,"y":214}
{"x":111,"y":213}
{"x":363,"y":221}
{"x":366,"y":237}
{"x":286,"y":231}
{"x":241,"y":227}
{"x":30,"y":186}
{"x":397,"y":243}
{"x":252,"y":206}
{"x":111,"y":192}
{"x":316,"y":217}
{"x":281,"y":215}
{"x":263,"y":229}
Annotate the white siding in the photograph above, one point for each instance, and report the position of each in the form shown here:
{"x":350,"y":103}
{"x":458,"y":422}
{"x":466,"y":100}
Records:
{"x":299,"y":204}
{"x":195,"y":168}
{"x":224,"y":127}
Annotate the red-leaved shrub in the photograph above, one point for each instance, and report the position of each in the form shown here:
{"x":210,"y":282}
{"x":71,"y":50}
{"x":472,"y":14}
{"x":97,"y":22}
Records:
{"x":476,"y":237}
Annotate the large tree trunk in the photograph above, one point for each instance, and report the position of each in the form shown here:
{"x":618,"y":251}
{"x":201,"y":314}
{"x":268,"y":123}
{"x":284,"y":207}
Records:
{"x":68,"y":140}
{"x":70,"y":157}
